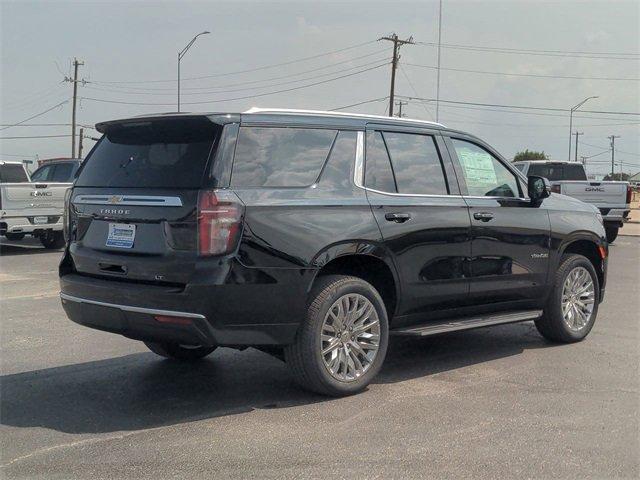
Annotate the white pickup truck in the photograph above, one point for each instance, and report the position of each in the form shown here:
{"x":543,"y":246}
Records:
{"x":31,"y":208}
{"x":569,"y":178}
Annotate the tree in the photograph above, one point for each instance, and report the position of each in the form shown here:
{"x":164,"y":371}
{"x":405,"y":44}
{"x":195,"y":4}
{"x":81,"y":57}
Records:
{"x":530,"y":155}
{"x":616,"y":176}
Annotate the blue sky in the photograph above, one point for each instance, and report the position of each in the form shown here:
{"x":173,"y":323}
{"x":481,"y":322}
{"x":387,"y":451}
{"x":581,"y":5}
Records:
{"x":138,"y":42}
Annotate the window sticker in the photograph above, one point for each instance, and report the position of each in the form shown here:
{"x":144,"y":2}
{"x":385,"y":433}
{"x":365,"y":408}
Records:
{"x":478,"y":167}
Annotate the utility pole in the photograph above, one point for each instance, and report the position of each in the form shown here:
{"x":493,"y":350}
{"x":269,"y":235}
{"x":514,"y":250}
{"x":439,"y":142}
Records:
{"x":74,"y":81}
{"x":400,"y":103}
{"x":397,"y":43}
{"x":438,"y":70}
{"x":577,"y":134}
{"x":80,"y":143}
{"x":613,"y":152}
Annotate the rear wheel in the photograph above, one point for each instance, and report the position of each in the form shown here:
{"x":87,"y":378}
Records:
{"x":176,"y":351}
{"x":341,"y":345}
{"x":572,"y":306}
{"x":14,"y":237}
{"x":52,"y":240}
{"x":612,"y":233}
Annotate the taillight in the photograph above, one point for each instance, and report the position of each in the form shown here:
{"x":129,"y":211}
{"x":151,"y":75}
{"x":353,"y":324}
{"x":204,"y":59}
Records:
{"x":219,"y":221}
{"x":66,"y":214}
{"x":555,"y":188}
{"x":629,"y":193}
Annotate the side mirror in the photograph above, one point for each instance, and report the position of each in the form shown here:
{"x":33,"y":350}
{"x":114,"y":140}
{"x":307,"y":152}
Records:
{"x":539,"y":188}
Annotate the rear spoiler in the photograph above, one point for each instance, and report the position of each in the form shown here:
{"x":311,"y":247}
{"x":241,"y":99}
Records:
{"x":217,"y":118}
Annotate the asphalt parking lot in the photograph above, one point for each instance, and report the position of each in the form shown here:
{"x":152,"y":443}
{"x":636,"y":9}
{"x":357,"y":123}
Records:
{"x":500,"y":402}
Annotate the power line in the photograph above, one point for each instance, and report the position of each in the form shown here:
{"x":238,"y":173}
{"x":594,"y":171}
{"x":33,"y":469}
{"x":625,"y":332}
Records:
{"x":484,"y":72}
{"x":237,"y":72}
{"x":35,"y":116}
{"x":209,"y":92}
{"x":238,"y":98}
{"x":359,"y":103}
{"x":35,"y":136}
{"x":251,"y":82}
{"x":523,"y":107}
{"x":415,"y":91}
{"x":549,"y":53}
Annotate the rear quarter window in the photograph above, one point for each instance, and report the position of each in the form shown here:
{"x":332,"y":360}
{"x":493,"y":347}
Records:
{"x":280,"y":157}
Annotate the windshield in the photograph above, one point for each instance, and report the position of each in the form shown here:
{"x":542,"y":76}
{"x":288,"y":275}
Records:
{"x":158,"y":154}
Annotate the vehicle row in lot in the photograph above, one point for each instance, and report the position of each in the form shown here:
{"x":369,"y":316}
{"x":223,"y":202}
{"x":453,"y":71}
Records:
{"x":315,"y":236}
{"x":612,"y":198}
{"x":33,"y":205}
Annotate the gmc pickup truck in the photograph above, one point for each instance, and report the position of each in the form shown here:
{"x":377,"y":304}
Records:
{"x":31,"y":208}
{"x":569,"y":178}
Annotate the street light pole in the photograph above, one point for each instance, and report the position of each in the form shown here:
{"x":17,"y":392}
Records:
{"x":182,"y":54}
{"x":573,"y":109}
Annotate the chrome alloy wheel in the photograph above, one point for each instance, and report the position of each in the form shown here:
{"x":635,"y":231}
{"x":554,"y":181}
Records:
{"x":350,"y":337}
{"x":578,"y":297}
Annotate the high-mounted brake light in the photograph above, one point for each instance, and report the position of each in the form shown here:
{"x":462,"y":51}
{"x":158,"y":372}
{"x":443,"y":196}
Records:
{"x":219,"y":222}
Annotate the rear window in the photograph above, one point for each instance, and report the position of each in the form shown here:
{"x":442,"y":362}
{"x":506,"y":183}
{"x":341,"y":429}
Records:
{"x":560,"y":171}
{"x":63,"y":172}
{"x":13,"y":174}
{"x":280,"y":157}
{"x":157,"y":154}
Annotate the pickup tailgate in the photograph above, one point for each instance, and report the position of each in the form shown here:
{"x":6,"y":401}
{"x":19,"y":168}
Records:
{"x":29,"y":199}
{"x":600,"y":194}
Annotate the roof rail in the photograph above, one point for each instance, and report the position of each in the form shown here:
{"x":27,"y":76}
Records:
{"x":336,"y":114}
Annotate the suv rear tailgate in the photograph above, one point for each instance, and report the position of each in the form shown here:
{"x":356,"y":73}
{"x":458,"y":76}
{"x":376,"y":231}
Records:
{"x":600,"y":194}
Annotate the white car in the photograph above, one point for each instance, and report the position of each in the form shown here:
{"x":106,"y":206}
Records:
{"x":33,"y":206}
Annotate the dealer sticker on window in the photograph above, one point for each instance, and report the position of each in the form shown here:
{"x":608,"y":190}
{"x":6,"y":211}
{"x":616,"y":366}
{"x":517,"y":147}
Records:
{"x":121,"y":235}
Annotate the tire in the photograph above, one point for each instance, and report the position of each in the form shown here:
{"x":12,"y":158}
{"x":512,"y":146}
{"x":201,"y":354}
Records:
{"x":52,"y":240}
{"x":612,"y":233}
{"x":175,"y":351}
{"x":557,"y":327}
{"x":310,"y":368}
{"x":14,"y":237}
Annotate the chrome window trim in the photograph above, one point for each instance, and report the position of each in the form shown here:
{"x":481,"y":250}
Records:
{"x":127,"y":308}
{"x":132,"y":200}
{"x":358,"y":173}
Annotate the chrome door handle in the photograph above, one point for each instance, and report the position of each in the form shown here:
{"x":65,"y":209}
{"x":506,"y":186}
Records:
{"x":483,"y":216}
{"x":397,"y":217}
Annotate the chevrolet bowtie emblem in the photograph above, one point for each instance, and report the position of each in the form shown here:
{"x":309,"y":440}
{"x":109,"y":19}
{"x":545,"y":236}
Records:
{"x":115,"y":199}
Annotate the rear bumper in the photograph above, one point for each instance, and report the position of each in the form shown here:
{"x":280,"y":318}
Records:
{"x":226,"y":315}
{"x":615,"y":215}
{"x":27,"y":225}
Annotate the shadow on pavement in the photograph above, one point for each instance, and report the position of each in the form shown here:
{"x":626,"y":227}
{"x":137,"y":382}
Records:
{"x":142,"y":391}
{"x":26,"y":248}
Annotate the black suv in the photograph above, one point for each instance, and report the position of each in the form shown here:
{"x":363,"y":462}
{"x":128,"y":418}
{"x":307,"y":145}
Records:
{"x":315,"y":236}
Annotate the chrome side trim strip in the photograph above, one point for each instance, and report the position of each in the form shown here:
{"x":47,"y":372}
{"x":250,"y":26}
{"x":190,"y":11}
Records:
{"x":127,"y":308}
{"x":134,"y":200}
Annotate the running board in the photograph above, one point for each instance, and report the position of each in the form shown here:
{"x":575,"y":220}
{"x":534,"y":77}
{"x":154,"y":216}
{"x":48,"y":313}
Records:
{"x":453,"y":325}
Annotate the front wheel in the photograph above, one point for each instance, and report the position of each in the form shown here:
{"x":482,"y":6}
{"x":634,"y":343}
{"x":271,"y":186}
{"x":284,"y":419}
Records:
{"x":572,"y":306}
{"x":175,"y":351}
{"x":52,"y":240}
{"x":342,"y":343}
{"x":612,"y":233}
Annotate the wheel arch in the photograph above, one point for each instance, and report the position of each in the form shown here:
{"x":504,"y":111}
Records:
{"x":590,"y":247}
{"x":365,"y":260}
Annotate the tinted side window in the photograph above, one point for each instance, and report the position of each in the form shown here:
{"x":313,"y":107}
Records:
{"x":483,"y":173}
{"x":13,"y":174}
{"x":416,"y":163}
{"x":337,"y":172}
{"x":280,"y":157}
{"x":378,"y":172}
{"x":42,"y":174}
{"x":62,"y":172}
